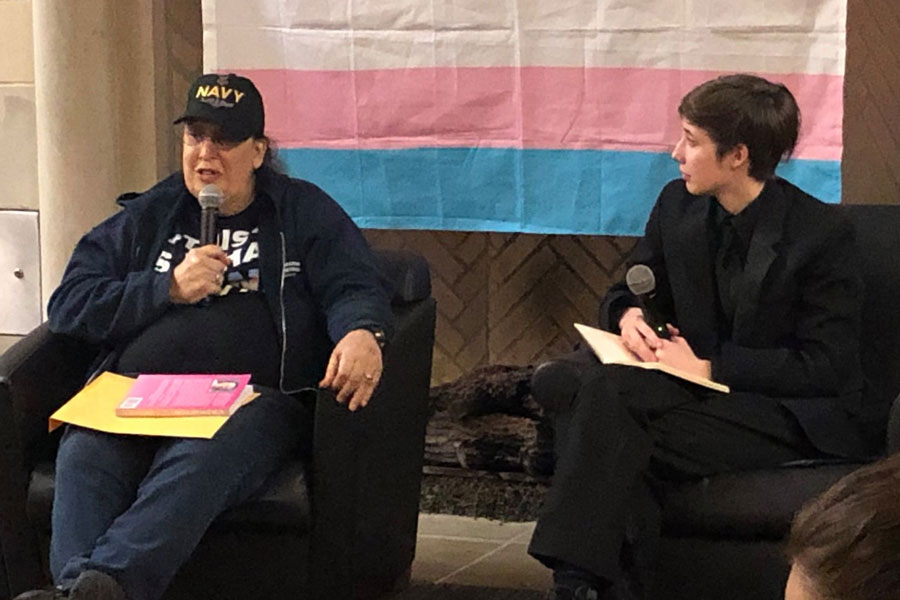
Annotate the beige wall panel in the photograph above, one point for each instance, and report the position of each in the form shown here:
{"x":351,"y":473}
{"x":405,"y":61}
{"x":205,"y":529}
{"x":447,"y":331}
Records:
{"x":16,"y":45}
{"x":136,"y":98}
{"x":18,"y":174}
{"x":6,"y":341}
{"x":18,"y":148}
{"x":75,"y":99}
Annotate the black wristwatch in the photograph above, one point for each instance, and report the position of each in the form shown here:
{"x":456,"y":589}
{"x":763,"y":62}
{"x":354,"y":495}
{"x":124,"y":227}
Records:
{"x":380,"y":337}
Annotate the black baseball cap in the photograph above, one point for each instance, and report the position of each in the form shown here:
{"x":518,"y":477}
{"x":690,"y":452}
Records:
{"x":230,"y":101}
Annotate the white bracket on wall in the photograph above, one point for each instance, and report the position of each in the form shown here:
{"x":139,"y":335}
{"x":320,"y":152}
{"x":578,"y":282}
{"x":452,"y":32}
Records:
{"x":20,"y":272}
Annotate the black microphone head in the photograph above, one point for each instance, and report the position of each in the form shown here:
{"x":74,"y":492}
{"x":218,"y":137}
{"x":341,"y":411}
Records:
{"x":640,"y":280}
{"x":210,"y":196}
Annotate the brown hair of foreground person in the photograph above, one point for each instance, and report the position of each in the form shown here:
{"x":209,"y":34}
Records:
{"x":845,"y":544}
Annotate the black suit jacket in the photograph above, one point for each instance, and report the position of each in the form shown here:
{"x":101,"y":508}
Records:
{"x":795,"y":334}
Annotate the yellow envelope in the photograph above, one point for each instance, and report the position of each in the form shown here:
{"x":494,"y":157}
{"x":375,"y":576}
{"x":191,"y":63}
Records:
{"x":95,"y":405}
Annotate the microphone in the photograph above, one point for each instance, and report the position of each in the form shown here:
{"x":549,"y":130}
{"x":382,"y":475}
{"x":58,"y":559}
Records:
{"x":642,"y":283}
{"x":210,"y":199}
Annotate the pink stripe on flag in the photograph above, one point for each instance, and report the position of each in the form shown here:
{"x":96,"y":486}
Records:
{"x":529,"y":107}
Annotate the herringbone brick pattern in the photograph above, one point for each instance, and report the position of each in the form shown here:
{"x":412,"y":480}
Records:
{"x":509,"y":298}
{"x":870,"y":167}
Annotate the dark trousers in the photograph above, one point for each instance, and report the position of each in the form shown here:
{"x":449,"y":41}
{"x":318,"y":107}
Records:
{"x":136,"y":507}
{"x":627,"y":431}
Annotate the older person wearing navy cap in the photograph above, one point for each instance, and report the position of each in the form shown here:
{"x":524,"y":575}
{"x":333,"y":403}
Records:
{"x":289,"y":294}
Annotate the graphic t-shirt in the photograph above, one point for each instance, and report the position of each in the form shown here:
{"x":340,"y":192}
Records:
{"x":233,"y":333}
{"x":238,"y":237}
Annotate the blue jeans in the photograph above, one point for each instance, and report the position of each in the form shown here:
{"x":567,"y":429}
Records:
{"x":136,"y":507}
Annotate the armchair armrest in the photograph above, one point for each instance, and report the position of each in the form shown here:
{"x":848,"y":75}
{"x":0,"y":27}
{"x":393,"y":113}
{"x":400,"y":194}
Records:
{"x":404,"y":274}
{"x":37,"y":374}
{"x":367,"y":467}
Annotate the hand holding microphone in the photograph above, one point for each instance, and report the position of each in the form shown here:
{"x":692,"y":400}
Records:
{"x":646,"y":333}
{"x":202,"y":271}
{"x":642,"y":283}
{"x":643,"y":327}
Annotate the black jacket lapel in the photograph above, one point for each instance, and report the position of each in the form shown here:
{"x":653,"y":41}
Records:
{"x":691,"y":280}
{"x":760,"y":255}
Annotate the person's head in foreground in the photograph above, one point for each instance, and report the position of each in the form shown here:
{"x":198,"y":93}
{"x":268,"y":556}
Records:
{"x":223,"y":141}
{"x":845,"y":544}
{"x":734,"y":131}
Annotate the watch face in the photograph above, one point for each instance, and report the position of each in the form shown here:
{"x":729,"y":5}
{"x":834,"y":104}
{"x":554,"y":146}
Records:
{"x":379,"y":337}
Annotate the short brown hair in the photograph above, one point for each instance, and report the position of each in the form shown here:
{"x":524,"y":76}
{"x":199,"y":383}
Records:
{"x":749,"y":110}
{"x":847,"y":540}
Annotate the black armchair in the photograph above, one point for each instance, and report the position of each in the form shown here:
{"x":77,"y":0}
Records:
{"x":722,"y":536}
{"x":341,"y":525}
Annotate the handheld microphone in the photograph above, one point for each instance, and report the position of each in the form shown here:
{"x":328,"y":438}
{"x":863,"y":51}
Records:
{"x":210,"y":199}
{"x":642,"y":283}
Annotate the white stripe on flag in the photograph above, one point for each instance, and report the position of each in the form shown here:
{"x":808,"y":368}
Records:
{"x":790,"y":37}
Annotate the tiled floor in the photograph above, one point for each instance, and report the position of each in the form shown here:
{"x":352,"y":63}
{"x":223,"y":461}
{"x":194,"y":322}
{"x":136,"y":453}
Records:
{"x":478,"y":552}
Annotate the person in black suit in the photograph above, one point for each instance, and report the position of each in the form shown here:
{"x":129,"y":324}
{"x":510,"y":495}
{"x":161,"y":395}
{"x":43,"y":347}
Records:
{"x":758,"y":284}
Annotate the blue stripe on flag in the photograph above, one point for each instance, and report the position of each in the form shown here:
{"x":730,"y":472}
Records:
{"x":602,"y":192}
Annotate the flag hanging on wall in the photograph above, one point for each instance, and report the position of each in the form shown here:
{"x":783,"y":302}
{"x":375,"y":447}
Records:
{"x":517,"y":115}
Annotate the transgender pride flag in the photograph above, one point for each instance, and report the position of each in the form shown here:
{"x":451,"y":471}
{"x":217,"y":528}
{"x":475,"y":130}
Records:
{"x":542,"y":116}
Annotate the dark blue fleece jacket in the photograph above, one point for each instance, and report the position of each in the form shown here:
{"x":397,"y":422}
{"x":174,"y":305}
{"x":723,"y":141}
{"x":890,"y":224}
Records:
{"x":317,"y":272}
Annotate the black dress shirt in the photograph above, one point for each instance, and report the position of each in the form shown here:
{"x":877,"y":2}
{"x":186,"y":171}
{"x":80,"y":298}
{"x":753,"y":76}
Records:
{"x":730,"y":240}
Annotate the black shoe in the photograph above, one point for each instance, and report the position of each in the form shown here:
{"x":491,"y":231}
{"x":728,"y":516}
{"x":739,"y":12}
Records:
{"x":94,"y":585}
{"x":50,"y":593}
